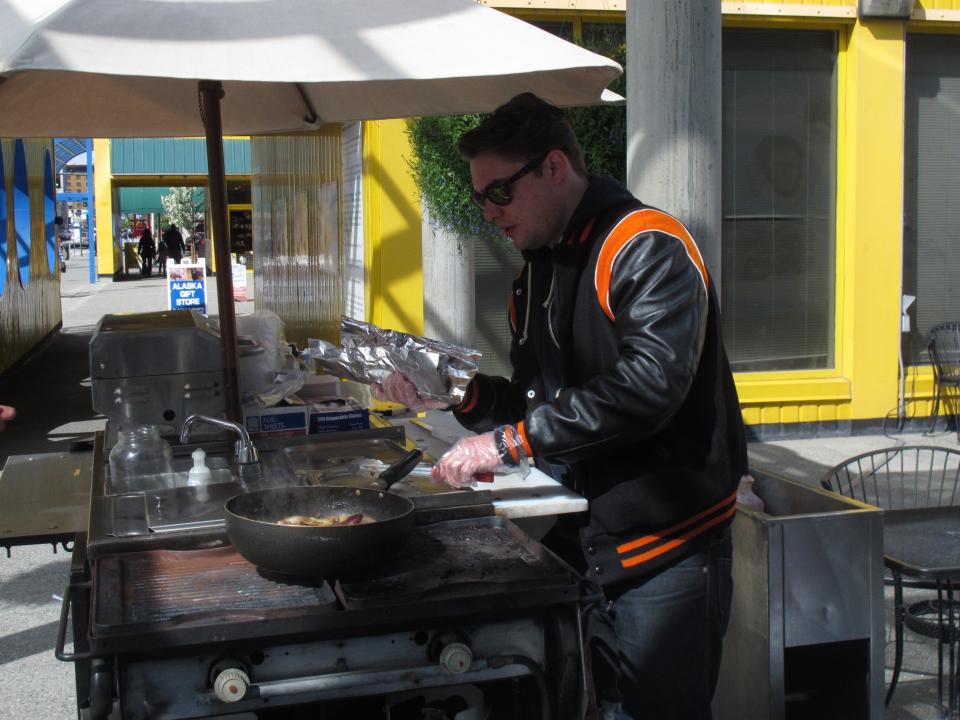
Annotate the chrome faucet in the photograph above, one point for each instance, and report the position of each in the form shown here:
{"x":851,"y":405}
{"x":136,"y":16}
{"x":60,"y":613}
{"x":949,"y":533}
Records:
{"x":244,"y":451}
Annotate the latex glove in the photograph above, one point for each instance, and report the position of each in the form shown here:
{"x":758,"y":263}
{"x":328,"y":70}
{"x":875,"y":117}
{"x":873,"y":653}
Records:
{"x":7,"y":413}
{"x":470,"y":457}
{"x":396,"y":388}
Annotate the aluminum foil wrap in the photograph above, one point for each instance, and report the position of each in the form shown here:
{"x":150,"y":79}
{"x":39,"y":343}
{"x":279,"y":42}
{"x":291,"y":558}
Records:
{"x":369,"y":354}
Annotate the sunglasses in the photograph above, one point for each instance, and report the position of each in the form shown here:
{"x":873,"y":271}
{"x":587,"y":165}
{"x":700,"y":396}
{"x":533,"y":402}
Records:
{"x":500,"y":192}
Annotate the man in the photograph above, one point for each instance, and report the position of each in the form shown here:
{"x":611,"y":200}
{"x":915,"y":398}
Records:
{"x":63,"y":242}
{"x":146,"y":249}
{"x":621,"y":389}
{"x":173,"y":241}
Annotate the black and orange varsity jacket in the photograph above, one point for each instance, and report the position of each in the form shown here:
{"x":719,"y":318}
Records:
{"x":620,"y":377}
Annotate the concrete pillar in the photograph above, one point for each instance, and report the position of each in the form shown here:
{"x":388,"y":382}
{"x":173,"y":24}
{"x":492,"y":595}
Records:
{"x":448,"y":285}
{"x":673,"y":114}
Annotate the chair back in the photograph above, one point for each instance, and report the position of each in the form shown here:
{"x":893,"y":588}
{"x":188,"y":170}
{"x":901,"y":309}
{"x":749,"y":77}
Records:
{"x":908,"y":476}
{"x":944,"y":350}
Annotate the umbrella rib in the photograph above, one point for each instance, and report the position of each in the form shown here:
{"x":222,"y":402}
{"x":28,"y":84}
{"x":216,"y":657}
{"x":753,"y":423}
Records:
{"x":311,"y":117}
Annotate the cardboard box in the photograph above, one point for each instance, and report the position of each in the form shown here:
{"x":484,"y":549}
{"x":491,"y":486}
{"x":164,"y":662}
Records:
{"x":336,"y":415}
{"x":275,"y":421}
{"x":319,"y":388}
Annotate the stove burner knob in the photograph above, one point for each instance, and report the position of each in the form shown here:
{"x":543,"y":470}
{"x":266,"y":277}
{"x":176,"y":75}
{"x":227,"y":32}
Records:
{"x":456,"y":657}
{"x":231,"y":685}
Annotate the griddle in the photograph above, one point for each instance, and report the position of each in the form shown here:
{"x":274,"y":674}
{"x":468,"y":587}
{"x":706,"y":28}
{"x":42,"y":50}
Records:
{"x":450,"y":560}
{"x":454,"y":569}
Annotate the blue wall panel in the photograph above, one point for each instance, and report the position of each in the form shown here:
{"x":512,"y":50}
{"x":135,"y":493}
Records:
{"x":21,"y":211}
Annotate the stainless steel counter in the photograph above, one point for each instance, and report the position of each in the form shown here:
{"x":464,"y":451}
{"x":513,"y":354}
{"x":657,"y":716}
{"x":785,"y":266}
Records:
{"x":533,"y":501}
{"x":44,"y":497}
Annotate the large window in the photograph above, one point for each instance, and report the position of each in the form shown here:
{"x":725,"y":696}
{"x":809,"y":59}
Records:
{"x":931,"y":233}
{"x":779,"y":170}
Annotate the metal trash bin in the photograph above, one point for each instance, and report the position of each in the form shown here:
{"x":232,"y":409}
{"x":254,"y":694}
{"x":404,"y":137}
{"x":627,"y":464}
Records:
{"x":806,"y":634}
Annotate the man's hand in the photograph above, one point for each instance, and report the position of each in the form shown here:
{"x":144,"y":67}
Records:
{"x":470,"y":457}
{"x":396,"y":388}
{"x":7,"y":414}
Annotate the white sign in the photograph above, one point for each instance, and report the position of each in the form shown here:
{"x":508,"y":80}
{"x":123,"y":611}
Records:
{"x":239,"y":282}
{"x":187,"y":285}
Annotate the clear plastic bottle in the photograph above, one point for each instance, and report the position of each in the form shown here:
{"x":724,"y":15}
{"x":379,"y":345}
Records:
{"x":141,"y":460}
{"x":199,"y":476}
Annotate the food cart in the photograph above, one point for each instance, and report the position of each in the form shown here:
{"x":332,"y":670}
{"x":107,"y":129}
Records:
{"x":168,"y":620}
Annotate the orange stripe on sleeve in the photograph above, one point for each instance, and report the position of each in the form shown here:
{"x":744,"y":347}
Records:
{"x":469,"y":401}
{"x":637,"y":222}
{"x":646,"y":540}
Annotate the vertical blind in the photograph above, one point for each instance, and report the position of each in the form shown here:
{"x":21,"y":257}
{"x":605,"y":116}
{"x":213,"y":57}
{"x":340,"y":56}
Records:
{"x":296,"y":243}
{"x":496,"y":264}
{"x":779,"y":169}
{"x":931,"y":233}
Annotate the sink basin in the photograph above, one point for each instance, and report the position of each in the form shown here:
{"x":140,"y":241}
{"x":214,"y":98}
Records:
{"x":188,"y":508}
{"x":221,"y":471}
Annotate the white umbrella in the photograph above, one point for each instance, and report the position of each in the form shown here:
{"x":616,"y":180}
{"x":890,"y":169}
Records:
{"x":133,"y":68}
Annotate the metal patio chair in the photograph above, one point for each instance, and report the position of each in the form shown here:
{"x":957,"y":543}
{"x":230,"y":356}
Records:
{"x":943,"y":347}
{"x":900,"y":478}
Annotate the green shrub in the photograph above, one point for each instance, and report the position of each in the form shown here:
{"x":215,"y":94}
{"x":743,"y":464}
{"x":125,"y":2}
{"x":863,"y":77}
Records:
{"x":443,"y":177}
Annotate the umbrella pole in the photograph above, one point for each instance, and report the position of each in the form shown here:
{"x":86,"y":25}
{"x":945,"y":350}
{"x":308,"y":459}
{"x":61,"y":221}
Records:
{"x":210,"y":94}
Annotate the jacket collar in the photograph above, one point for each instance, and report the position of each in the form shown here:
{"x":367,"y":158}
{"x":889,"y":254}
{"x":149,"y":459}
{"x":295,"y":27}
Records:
{"x":602,"y":194}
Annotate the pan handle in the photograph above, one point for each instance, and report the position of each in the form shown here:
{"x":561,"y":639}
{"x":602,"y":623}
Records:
{"x":401,"y":468}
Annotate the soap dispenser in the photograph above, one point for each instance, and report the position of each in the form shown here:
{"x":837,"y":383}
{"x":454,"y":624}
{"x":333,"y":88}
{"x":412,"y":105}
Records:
{"x":199,"y":475}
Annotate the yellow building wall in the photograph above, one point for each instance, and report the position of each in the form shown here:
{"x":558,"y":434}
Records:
{"x":872,"y":222}
{"x":108,"y":256}
{"x":392,"y":229}
{"x":937,"y":11}
{"x":864,"y":383}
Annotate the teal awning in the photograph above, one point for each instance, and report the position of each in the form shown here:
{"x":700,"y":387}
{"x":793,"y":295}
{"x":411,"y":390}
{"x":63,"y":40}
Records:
{"x":147,"y":199}
{"x":174,"y":156}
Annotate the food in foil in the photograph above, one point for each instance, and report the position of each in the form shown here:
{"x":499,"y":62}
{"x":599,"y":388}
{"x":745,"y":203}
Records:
{"x":325,"y":521}
{"x":369,"y":354}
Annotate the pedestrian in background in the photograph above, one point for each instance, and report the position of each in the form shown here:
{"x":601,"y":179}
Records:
{"x":173,"y":241}
{"x":147,"y":249}
{"x":162,"y":258}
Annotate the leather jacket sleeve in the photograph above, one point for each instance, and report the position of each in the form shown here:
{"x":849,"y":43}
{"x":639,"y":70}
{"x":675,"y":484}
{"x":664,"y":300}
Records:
{"x":489,"y":402}
{"x":658,"y":301}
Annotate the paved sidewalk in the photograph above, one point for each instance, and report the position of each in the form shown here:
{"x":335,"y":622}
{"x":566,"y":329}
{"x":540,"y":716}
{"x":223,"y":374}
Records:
{"x":84,"y":304}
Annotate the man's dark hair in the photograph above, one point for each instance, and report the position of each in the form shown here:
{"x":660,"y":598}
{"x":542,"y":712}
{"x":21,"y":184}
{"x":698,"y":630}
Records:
{"x":522,"y":129}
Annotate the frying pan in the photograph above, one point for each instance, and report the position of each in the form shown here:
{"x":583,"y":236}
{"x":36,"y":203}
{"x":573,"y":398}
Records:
{"x":331,"y":552}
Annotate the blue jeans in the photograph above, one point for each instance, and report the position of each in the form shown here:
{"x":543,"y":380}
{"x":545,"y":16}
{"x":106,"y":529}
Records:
{"x":655,"y":649}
